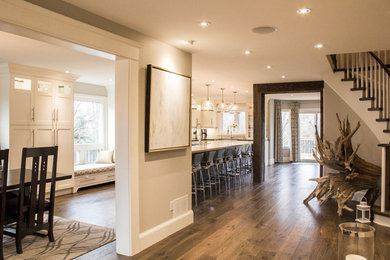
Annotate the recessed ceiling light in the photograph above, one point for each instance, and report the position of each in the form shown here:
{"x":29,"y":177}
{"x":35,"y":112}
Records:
{"x":189,"y":42}
{"x":283,"y":76}
{"x":269,"y":67}
{"x":247,"y":52}
{"x":204,"y":23}
{"x":67,"y":71}
{"x":264,"y":29}
{"x":247,"y":91}
{"x":318,"y":46}
{"x":304,"y":11}
{"x":213,"y":81}
{"x":232,"y":86}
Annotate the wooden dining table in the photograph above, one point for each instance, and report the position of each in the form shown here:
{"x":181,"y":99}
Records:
{"x":13,"y":179}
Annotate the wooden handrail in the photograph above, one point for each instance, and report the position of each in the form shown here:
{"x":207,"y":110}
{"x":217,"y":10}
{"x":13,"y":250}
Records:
{"x":384,"y":67}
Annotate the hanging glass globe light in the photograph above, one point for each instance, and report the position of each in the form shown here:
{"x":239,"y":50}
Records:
{"x":208,"y":105}
{"x":222,"y":107}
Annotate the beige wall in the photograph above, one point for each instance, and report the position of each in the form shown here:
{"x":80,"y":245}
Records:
{"x":368,"y":142}
{"x":164,"y":176}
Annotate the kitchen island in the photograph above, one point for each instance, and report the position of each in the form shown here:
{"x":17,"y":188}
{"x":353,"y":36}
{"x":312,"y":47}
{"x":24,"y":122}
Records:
{"x":206,"y":146}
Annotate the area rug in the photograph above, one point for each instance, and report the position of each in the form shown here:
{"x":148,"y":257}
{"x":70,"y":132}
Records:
{"x":73,"y":239}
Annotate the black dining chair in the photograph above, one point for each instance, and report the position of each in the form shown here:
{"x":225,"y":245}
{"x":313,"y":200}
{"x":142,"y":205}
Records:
{"x":28,"y":209}
{"x":3,"y":192}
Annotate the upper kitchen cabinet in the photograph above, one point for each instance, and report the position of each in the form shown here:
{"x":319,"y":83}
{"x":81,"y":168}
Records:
{"x":195,"y":118}
{"x":208,"y":119}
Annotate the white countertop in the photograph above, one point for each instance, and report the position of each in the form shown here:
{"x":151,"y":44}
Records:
{"x":216,"y":145}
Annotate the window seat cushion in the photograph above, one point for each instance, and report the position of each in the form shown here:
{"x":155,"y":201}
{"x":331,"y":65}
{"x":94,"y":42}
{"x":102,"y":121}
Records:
{"x":93,"y":168}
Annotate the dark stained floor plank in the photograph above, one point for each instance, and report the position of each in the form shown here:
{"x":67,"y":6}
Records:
{"x":251,"y":221}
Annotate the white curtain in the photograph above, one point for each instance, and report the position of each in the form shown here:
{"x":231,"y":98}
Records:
{"x":295,"y":153}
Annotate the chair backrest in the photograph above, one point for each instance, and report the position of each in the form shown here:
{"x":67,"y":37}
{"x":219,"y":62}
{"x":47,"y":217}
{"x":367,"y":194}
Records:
{"x":4,"y":175}
{"x":210,"y":157}
{"x":220,"y":155}
{"x":197,"y":160}
{"x":35,"y":193}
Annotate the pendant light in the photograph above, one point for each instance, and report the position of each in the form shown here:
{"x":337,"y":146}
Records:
{"x":208,"y":105}
{"x":222,"y":107}
{"x":233,"y":109}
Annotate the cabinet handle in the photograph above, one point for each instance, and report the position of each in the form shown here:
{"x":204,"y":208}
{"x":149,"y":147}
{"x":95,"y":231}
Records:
{"x":57,"y":115}
{"x":53,"y":117}
{"x":33,"y":114}
{"x":54,"y":137}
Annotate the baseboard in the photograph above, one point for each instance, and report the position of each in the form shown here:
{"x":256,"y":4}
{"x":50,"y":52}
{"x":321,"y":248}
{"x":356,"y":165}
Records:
{"x":158,"y":233}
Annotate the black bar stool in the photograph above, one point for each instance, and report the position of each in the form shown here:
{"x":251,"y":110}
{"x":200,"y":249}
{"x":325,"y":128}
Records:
{"x":220,"y":166}
{"x":207,"y":166}
{"x":197,"y":176}
{"x":237,"y":162}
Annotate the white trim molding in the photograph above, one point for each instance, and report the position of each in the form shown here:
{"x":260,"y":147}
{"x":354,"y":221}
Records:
{"x":159,"y":232}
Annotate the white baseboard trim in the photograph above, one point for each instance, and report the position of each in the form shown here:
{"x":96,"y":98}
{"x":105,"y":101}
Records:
{"x":158,"y":233}
{"x":382,"y":220}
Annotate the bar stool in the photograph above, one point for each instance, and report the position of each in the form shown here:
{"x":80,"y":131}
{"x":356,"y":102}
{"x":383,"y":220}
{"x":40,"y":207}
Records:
{"x":207,"y":166}
{"x":197,"y":176}
{"x":228,"y":162}
{"x":219,"y":165}
{"x":237,"y":162}
{"x":246,"y":158}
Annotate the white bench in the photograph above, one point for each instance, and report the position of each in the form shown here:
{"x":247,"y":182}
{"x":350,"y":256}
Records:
{"x":92,"y":174}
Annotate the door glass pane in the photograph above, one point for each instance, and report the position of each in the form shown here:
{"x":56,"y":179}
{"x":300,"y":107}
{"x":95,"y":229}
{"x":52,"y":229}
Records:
{"x":44,"y":87}
{"x":24,"y":84}
{"x":307,"y":122}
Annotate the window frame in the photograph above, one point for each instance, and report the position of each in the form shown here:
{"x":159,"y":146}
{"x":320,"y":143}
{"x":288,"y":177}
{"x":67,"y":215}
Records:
{"x":96,"y":99}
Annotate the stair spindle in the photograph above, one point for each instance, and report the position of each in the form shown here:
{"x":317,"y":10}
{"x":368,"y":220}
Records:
{"x":366,"y":75}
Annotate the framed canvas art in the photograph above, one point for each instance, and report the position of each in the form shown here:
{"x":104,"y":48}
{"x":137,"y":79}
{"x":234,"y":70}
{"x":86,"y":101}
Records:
{"x":168,"y":110}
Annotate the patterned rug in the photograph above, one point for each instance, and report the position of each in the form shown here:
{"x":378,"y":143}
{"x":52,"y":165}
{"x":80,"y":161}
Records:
{"x":73,"y":239}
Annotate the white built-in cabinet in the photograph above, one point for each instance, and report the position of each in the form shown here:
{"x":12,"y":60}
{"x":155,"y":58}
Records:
{"x":206,"y":119}
{"x":40,"y":104}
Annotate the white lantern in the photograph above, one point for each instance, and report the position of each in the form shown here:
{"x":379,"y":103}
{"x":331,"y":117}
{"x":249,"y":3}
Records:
{"x":363,"y":212}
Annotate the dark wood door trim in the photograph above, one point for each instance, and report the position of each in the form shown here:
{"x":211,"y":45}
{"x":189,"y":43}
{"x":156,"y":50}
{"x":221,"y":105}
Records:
{"x":259,"y":92}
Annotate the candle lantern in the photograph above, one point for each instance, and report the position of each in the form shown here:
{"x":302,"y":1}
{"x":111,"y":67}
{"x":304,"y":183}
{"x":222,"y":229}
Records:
{"x":363,"y":212}
{"x":356,"y":241}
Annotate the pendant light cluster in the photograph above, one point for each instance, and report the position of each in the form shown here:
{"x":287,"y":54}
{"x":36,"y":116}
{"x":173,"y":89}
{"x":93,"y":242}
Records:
{"x":208,"y":105}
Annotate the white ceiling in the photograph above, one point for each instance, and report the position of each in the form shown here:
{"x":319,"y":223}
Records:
{"x":21,"y":50}
{"x":342,"y":26}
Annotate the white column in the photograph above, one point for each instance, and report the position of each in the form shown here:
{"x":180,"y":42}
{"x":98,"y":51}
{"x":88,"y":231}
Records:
{"x":127,"y":158}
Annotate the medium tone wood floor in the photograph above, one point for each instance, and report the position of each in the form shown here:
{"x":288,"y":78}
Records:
{"x":251,"y":221}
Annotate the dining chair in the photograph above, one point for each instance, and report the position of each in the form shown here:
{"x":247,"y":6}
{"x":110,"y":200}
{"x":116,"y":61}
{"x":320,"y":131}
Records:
{"x":3,"y":192}
{"x":28,"y":209}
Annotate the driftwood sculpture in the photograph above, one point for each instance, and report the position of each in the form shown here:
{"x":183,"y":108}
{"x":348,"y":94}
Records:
{"x":354,"y":173}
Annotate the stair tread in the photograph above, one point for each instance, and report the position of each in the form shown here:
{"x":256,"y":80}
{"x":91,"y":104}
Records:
{"x":356,"y":89}
{"x":386,"y":131}
{"x":349,"y":79}
{"x":383,"y":119}
{"x":366,"y":99}
{"x":375,"y":109}
{"x":384,"y":145}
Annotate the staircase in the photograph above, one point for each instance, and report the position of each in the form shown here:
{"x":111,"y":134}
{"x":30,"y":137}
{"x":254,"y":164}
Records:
{"x":370,"y":74}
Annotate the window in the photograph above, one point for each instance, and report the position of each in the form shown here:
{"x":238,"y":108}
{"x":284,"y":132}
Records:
{"x":286,"y":128}
{"x":89,"y":127}
{"x":229,"y":119}
{"x":307,"y":122}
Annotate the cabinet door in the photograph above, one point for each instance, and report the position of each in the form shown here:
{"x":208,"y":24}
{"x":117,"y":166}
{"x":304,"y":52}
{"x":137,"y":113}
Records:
{"x":43,"y":103}
{"x":209,"y":119}
{"x":65,"y":162}
{"x":21,"y":109}
{"x":64,"y":105}
{"x":20,"y":137}
{"x":195,"y":118}
{"x":43,"y":136}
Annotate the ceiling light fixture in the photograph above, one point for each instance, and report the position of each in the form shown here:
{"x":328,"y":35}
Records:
{"x":212,"y":81}
{"x":189,"y":42}
{"x":208,"y":105}
{"x":67,"y":71}
{"x":233,"y":109}
{"x":247,"y":52}
{"x":204,"y":24}
{"x":222,"y":107}
{"x":283,"y":76}
{"x":318,"y":46}
{"x":269,"y":67}
{"x":304,"y":11}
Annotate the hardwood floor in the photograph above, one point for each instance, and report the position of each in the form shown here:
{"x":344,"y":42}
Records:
{"x":258,"y":221}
